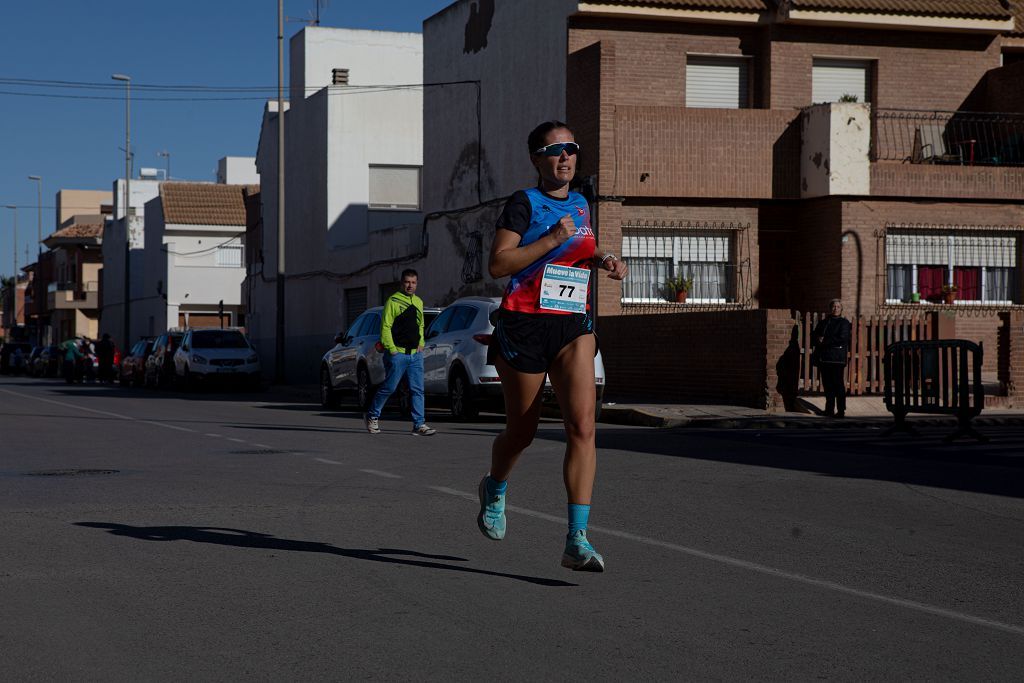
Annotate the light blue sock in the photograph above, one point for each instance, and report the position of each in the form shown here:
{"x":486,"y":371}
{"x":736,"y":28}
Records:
{"x":495,"y":488}
{"x":578,"y":517}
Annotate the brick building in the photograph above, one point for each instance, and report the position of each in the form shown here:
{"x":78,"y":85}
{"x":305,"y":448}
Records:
{"x":777,"y":155}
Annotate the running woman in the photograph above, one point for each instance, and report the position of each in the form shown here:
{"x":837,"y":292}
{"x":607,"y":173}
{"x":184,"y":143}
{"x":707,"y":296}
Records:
{"x":545,"y":242}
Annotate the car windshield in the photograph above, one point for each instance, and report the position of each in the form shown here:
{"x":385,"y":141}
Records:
{"x":217,"y":339}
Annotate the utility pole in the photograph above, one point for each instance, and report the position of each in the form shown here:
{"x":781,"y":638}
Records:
{"x":14,"y":208}
{"x":126,"y":339}
{"x":279,"y":349}
{"x":37,"y":299}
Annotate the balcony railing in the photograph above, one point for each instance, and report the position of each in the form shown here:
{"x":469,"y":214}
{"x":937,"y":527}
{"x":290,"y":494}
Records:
{"x":948,"y":137}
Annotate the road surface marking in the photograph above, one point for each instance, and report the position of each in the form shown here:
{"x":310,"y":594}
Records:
{"x":381,"y":474}
{"x":262,"y":445}
{"x":328,"y":462}
{"x":98,"y":412}
{"x":214,"y":436}
{"x":763,"y":569}
{"x":236,"y":440}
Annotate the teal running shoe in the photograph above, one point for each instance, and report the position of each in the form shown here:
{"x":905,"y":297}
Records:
{"x":491,"y":519}
{"x":579,"y":555}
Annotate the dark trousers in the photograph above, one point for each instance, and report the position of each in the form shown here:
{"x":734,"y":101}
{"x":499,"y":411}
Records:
{"x":833,"y":378}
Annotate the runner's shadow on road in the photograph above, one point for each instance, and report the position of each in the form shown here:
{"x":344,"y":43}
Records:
{"x":239,"y":538}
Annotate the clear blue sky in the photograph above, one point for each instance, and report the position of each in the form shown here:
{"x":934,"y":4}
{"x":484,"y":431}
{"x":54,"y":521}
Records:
{"x":74,"y":143}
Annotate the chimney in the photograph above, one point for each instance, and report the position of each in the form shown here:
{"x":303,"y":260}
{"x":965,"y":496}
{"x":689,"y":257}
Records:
{"x":339,"y":76}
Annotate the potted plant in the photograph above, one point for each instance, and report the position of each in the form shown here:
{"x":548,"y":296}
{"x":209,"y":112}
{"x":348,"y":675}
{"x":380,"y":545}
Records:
{"x":915,"y":298}
{"x":949,"y":293}
{"x":679,"y":288}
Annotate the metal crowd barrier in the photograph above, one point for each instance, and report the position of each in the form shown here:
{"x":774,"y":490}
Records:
{"x":938,"y":377}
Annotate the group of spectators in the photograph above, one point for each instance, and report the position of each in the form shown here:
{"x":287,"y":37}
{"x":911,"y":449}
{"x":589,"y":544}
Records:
{"x":86,"y":360}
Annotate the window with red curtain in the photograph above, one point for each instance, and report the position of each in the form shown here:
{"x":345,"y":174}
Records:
{"x":968,"y":283}
{"x":930,"y":280}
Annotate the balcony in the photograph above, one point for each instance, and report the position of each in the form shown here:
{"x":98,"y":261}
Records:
{"x":72,"y":295}
{"x":714,"y":153}
{"x":947,"y":154}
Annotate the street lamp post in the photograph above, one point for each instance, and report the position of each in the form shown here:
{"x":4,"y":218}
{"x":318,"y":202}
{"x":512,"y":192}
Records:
{"x":127,"y":201}
{"x":37,"y":299}
{"x":13,"y":208}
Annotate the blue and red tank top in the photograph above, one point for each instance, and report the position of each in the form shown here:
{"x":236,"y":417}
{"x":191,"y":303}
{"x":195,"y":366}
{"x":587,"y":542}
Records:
{"x":533,"y":214}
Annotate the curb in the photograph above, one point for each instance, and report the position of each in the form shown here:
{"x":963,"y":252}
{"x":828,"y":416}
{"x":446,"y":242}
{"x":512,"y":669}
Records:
{"x":640,"y":418}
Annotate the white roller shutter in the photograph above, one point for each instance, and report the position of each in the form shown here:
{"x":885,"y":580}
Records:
{"x":833,"y":78}
{"x":717,"y":82}
{"x":395,"y":187}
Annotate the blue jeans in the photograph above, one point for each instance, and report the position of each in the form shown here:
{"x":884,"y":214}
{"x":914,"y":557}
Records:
{"x":398,"y":365}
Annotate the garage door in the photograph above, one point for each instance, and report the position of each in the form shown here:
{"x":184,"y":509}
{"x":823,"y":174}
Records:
{"x":202,"y":320}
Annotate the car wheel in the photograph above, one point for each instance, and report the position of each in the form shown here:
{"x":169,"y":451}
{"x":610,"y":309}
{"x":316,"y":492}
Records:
{"x":460,"y":397}
{"x":364,"y":390}
{"x":188,"y":380}
{"x":328,"y":399}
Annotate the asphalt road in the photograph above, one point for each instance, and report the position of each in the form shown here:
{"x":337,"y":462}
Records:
{"x":246,"y":536}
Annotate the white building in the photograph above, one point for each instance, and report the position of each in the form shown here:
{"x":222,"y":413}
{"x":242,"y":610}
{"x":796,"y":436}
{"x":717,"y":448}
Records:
{"x":353,"y":144}
{"x":112,"y":276}
{"x":195,"y":241}
{"x":237,"y":171}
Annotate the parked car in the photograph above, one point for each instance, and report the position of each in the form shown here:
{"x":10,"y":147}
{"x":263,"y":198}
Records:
{"x":132,"y":371}
{"x":355,"y":364}
{"x":48,"y":362}
{"x":216,"y":354}
{"x":14,"y":357}
{"x":455,"y":368}
{"x":33,"y":357}
{"x":159,"y":372}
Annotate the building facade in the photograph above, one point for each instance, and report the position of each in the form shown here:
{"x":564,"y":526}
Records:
{"x":771,"y":156}
{"x":353,"y":144}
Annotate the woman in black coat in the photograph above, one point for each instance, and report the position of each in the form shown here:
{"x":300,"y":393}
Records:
{"x":831,"y":342}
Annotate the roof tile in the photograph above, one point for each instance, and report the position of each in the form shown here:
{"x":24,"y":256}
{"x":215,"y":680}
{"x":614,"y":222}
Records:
{"x":967,"y":9}
{"x":203,"y":203}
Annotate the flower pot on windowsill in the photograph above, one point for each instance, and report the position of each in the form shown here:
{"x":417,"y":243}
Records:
{"x":949,"y":298}
{"x":681,"y":296}
{"x":915,"y":298}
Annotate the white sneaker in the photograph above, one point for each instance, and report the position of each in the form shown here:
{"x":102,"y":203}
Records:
{"x":423,"y":430}
{"x":372,"y":425}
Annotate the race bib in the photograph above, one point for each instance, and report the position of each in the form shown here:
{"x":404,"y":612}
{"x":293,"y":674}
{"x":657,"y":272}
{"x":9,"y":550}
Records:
{"x":564,"y":288}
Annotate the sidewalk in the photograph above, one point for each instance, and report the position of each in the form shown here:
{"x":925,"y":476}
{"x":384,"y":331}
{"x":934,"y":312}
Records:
{"x":860,"y":411}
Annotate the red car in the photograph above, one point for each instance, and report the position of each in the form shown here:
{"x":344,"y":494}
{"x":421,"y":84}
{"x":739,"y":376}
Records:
{"x":132,"y":370}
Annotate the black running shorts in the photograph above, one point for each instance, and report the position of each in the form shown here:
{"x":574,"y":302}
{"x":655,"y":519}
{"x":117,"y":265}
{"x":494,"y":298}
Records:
{"x":529,"y":342}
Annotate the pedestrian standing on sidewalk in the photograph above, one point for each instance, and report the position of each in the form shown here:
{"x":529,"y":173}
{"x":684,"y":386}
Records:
{"x":105,"y":359}
{"x":831,"y":341}
{"x":401,"y":333}
{"x":545,"y":242}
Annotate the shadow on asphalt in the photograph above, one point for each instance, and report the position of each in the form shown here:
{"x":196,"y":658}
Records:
{"x":995,"y":468}
{"x":250,"y":539}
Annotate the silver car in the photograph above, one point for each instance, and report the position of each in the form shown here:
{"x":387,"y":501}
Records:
{"x":455,"y":364}
{"x":355,"y":364}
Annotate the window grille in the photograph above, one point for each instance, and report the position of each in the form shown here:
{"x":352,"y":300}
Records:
{"x":952,"y":265}
{"x":229,"y":256}
{"x":660,"y":257}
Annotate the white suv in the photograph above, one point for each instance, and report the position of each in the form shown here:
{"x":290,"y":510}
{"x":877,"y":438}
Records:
{"x":455,"y":365}
{"x":207,"y":354}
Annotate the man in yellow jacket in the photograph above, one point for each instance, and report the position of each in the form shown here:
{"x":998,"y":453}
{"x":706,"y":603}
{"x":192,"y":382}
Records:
{"x":401,"y":333}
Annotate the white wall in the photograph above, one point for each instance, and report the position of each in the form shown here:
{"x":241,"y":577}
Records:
{"x":333,"y":134}
{"x":835,"y":150}
{"x":112,"y":313}
{"x":237,"y":171}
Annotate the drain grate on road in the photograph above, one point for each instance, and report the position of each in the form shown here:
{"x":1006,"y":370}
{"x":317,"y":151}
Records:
{"x":263,"y":451}
{"x":68,"y":473}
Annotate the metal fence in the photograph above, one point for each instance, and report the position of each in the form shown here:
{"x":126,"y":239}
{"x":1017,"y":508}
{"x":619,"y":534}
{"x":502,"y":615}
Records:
{"x":948,"y":137}
{"x":685,"y":265}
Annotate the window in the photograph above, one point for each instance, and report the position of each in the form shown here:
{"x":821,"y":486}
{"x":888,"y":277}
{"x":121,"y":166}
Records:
{"x":717,"y":82}
{"x":440,"y":324}
{"x":980,"y":267}
{"x":656,"y":257}
{"x":355,"y":304}
{"x":229,"y":256}
{"x":462,"y":318}
{"x":387,"y":290}
{"x":832,"y":79}
{"x":395,"y":187}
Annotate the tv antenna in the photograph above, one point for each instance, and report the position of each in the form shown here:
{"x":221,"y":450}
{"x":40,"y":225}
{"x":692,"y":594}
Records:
{"x":313,"y":15}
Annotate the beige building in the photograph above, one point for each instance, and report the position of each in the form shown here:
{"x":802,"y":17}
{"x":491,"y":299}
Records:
{"x":73,"y":295}
{"x":82,"y":206}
